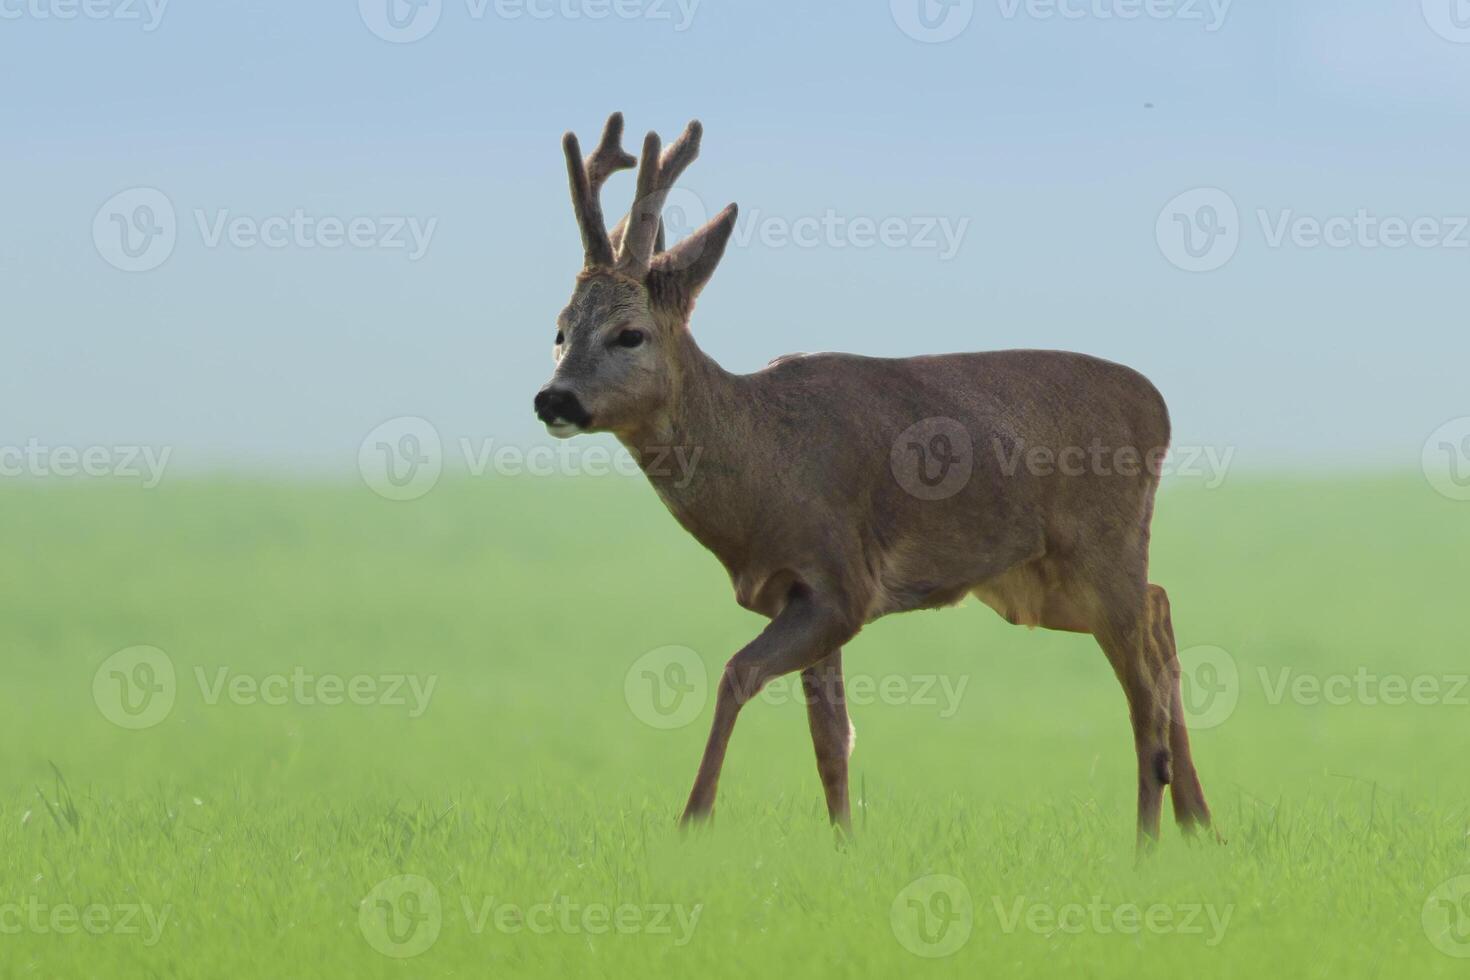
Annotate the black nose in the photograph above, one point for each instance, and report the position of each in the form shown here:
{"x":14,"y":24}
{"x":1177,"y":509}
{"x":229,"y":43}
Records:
{"x":558,"y":403}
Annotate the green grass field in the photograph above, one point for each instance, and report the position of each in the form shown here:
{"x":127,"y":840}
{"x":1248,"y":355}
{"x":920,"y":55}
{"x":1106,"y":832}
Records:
{"x":246,"y":828}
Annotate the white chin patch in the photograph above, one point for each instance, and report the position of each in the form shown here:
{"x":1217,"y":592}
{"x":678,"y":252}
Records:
{"x":563,"y":430}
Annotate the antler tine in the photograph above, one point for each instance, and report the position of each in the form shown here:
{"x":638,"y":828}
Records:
{"x":643,"y":216}
{"x":680,"y":154}
{"x":657,"y":173}
{"x":609,"y":157}
{"x":595,"y":243}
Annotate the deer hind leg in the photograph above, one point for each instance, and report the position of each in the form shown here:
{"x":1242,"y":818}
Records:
{"x":1190,"y":810}
{"x":832,"y":734}
{"x":1123,"y":633}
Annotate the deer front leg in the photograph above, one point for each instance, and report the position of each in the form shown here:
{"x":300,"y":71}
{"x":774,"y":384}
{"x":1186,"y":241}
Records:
{"x":804,"y":632}
{"x":826,"y":709}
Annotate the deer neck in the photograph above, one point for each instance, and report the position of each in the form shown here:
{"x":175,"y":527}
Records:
{"x":698,"y":452}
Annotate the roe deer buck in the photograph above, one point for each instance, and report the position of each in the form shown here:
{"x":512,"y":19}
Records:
{"x":804,"y":489}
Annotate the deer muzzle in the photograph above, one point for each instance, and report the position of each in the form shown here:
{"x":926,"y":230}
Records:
{"x":562,"y":412}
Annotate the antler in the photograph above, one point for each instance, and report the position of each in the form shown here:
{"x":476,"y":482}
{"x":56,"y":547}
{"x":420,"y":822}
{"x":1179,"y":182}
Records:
{"x":636,"y":246}
{"x":657,"y":173}
{"x":609,"y":157}
{"x":587,"y":177}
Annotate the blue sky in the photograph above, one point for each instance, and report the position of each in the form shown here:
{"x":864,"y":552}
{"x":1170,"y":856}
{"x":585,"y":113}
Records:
{"x":1050,"y":137}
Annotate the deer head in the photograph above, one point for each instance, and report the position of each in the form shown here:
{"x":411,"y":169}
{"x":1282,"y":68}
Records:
{"x":622,"y":338}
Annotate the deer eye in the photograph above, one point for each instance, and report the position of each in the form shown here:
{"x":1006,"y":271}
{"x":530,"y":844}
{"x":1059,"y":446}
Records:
{"x":629,"y":338}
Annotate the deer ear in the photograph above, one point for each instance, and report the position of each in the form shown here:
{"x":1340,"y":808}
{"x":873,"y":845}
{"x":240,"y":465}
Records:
{"x":676,"y":277}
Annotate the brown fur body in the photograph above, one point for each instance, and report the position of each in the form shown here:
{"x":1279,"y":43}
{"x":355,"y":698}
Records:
{"x":828,"y":423}
{"x":804,"y":490}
